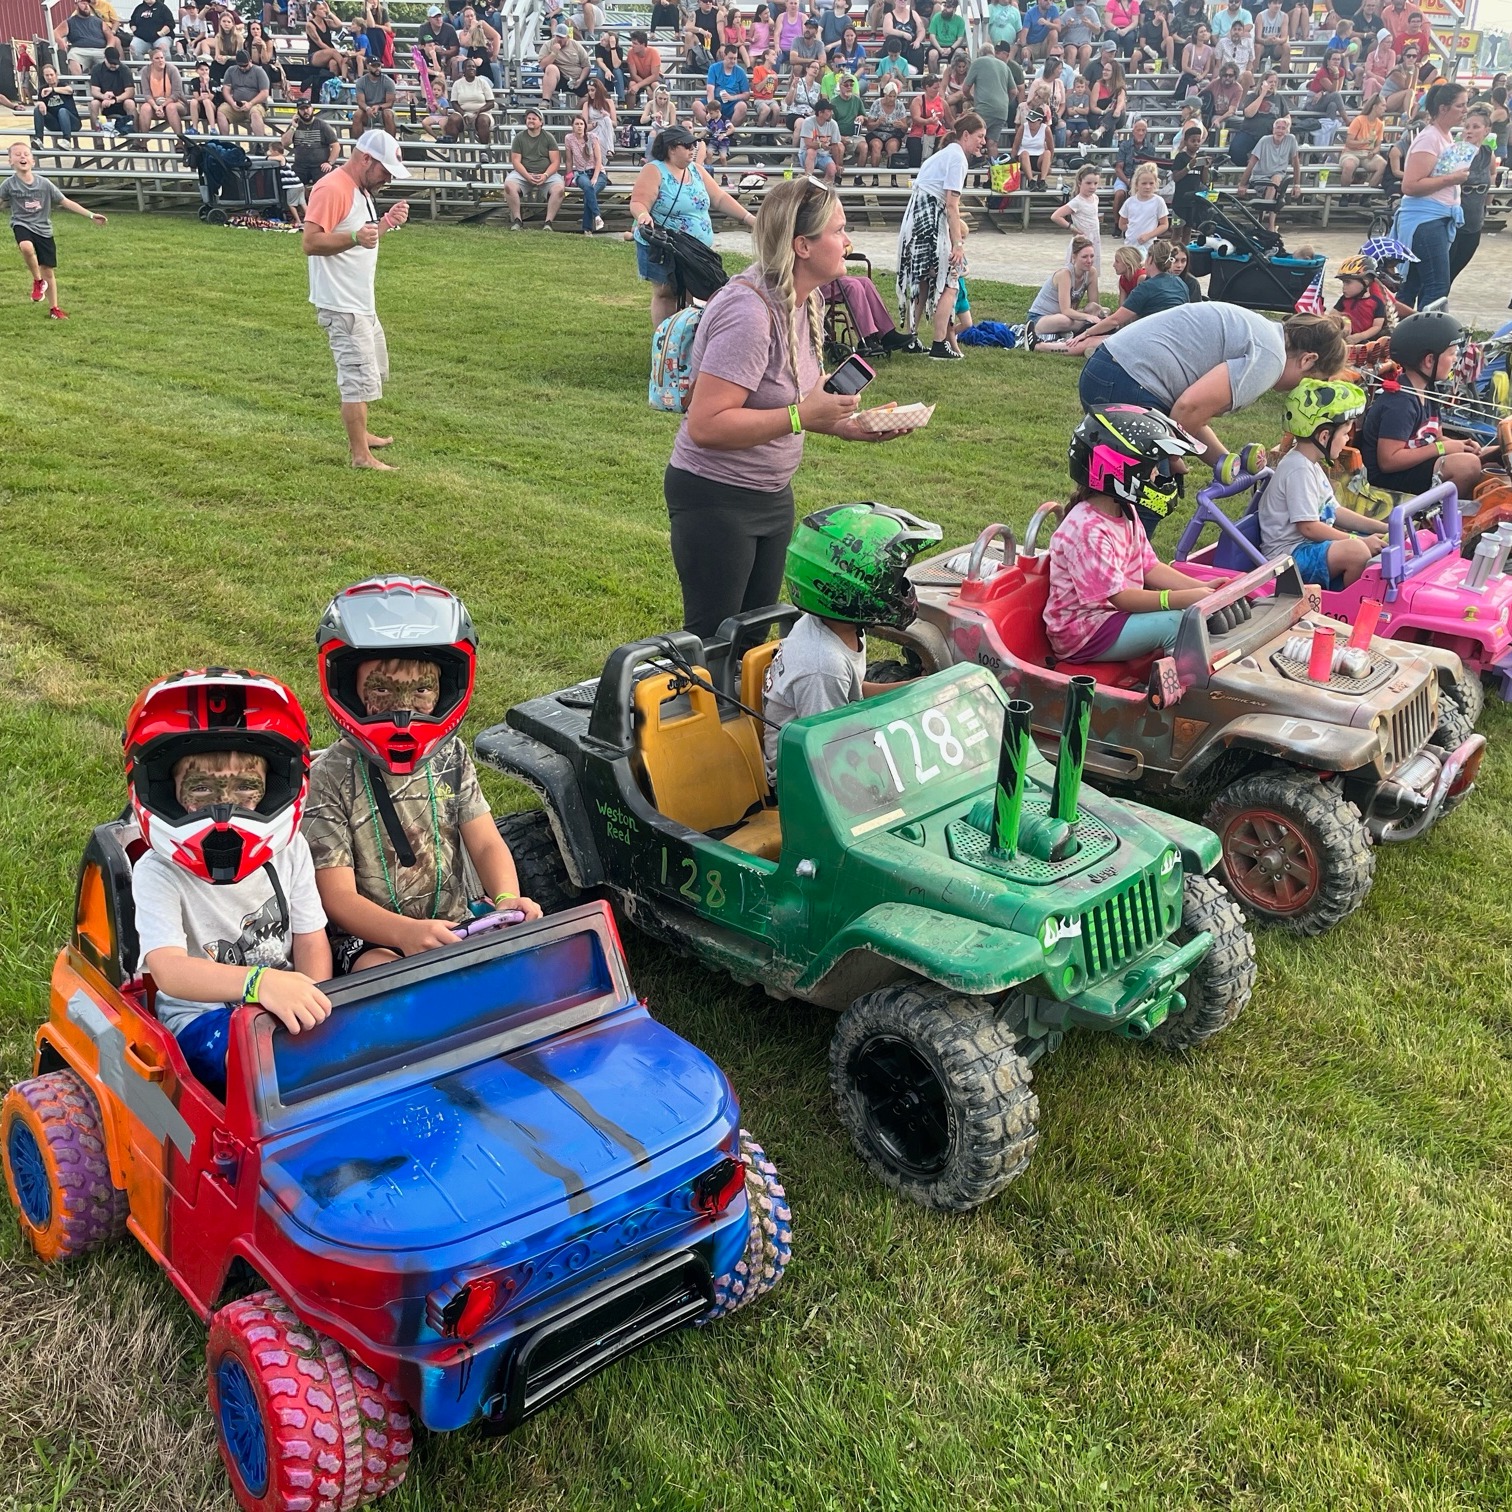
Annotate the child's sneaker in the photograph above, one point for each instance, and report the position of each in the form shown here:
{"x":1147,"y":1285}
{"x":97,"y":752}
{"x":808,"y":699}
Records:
{"x":39,"y":288}
{"x":56,"y":314}
{"x":941,"y":352}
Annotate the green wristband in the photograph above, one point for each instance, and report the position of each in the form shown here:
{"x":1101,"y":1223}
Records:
{"x":1165,"y":598}
{"x":252,"y":984}
{"x":794,"y":421}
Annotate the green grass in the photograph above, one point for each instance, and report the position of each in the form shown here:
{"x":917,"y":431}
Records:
{"x":1276,"y":1274}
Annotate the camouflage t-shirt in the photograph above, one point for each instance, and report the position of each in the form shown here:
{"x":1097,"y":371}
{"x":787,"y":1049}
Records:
{"x":344,"y":830}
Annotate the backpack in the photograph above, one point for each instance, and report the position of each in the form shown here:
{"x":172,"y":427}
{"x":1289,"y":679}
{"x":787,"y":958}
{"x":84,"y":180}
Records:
{"x":672,"y":360}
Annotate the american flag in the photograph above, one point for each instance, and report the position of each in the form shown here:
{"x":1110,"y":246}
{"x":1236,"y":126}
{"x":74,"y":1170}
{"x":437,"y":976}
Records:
{"x":1310,"y":301}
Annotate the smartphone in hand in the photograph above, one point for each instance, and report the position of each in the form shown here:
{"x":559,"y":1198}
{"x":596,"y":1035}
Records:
{"x":850,"y":377}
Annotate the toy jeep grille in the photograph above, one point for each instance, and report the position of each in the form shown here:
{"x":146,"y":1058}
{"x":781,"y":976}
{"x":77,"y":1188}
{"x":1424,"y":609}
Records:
{"x":1122,"y":927}
{"x":1411,"y":725}
{"x":1381,"y":668}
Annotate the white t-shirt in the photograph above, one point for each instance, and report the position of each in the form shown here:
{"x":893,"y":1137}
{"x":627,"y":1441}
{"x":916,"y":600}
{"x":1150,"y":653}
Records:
{"x":343,"y":280}
{"x":468,"y":97}
{"x":235,"y":924}
{"x":944,"y":173}
{"x":1143,"y":216}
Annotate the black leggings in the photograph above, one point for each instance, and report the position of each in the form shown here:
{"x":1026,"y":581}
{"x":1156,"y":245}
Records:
{"x":729,"y":546}
{"x":1461,"y":250}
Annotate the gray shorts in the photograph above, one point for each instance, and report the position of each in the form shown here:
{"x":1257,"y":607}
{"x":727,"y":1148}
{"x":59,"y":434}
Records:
{"x":360,"y":351}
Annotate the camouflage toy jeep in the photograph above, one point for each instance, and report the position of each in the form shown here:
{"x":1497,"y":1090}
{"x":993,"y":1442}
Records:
{"x":1296,"y":776}
{"x":926,"y":874}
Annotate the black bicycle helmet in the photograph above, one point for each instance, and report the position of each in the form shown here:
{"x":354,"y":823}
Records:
{"x":1424,"y":335}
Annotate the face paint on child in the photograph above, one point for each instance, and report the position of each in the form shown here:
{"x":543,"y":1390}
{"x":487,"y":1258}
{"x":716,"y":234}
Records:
{"x":211,"y":777}
{"x":396,"y":683}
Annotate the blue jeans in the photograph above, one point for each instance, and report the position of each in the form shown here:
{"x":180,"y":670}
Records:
{"x":1144,"y":633}
{"x":1428,"y":278}
{"x":590,"y":188}
{"x":67,"y":118}
{"x":1103,"y":382}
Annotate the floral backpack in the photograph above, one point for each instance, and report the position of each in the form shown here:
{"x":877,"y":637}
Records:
{"x":672,"y":360}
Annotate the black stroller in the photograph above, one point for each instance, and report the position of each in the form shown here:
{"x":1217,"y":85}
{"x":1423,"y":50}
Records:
{"x":1258,"y":273}
{"x":226,"y":173}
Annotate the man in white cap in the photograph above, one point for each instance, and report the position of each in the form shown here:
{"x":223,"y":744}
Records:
{"x":341,"y":231}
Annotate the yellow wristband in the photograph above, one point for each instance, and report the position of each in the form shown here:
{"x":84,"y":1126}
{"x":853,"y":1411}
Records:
{"x":505,"y":897}
{"x":1440,"y":448}
{"x":1165,"y":598}
{"x":252,"y":984}
{"x":794,"y":421}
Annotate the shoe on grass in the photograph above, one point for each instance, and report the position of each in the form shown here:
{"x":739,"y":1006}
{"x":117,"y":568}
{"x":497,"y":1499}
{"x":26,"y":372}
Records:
{"x":942,"y":351}
{"x":547,"y":226}
{"x":39,"y":288}
{"x":516,"y":224}
{"x":56,"y":314}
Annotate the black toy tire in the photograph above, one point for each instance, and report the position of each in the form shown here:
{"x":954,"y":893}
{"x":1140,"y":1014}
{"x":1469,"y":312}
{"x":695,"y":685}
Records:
{"x":1322,"y":829}
{"x":967,"y":1126}
{"x":538,"y":861}
{"x":1217,"y":991}
{"x":1470,"y":697}
{"x":1455,"y":725}
{"x":906,"y":669}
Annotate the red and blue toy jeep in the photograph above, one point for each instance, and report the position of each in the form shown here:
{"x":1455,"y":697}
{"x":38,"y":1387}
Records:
{"x":485,"y":1176}
{"x":1428,"y":591}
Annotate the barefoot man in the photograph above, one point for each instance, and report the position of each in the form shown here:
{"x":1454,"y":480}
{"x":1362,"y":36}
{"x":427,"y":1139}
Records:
{"x":341,"y":231}
{"x":31,"y":199}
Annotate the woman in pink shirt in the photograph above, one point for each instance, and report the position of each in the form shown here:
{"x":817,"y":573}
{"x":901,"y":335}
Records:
{"x":1111,"y":598}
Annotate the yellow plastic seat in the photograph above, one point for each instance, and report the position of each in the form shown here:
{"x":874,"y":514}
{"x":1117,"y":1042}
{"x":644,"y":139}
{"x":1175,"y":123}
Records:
{"x":753,"y":670}
{"x":759,"y":836}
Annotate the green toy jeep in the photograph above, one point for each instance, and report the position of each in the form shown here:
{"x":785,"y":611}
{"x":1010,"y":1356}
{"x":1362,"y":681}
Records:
{"x":927,"y":874}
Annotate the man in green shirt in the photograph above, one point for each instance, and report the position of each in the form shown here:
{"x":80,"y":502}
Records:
{"x":947,"y":31}
{"x":535,"y":163}
{"x":849,"y":108}
{"x":994,"y":84}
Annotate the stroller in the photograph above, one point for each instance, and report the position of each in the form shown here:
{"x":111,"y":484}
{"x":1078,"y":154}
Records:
{"x":1257,"y":274}
{"x":226,"y":172}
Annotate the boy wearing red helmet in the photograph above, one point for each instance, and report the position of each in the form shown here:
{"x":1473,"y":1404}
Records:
{"x":396,"y":817}
{"x":227,"y":912}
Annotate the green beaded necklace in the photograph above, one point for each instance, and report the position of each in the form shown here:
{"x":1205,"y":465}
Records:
{"x":388,"y":882}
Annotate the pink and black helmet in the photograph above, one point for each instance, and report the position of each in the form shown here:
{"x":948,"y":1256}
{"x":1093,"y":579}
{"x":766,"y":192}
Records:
{"x":1125,"y":451}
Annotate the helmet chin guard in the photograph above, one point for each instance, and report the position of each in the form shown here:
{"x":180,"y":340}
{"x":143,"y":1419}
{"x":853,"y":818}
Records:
{"x":396,"y":618}
{"x":207,"y":711}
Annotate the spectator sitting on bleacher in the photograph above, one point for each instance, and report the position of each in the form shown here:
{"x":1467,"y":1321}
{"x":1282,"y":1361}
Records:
{"x":1273,"y":37}
{"x":643,"y":66}
{"x":244,"y":92}
{"x":471,"y":103}
{"x":886,"y":126}
{"x":1199,"y":62}
{"x":820,"y":151}
{"x":112,"y":93}
{"x":1080,"y":27}
{"x":264,"y":55}
{"x":149,"y":21}
{"x":1157,"y":44}
{"x":1005,"y":22}
{"x":1050,"y":88}
{"x":193,"y":30}
{"x":536,"y":162}
{"x":203,"y":98}
{"x":1273,"y":160}
{"x":930,"y":120}
{"x":1238,"y":48}
{"x":1221,"y":100}
{"x":313,"y":141}
{"x":832,"y":25}
{"x":325,"y":51}
{"x":437,"y":33}
{"x":849,"y":54}
{"x":162,"y":94}
{"x":726,"y":88}
{"x":947,"y":31}
{"x":609,"y":64}
{"x":56,"y":112}
{"x":589,"y":20}
{"x":1121,"y":20}
{"x":226,"y":41}
{"x":765,"y":78}
{"x":565,"y":64}
{"x":659,"y":112}
{"x":85,"y":36}
{"x":1110,"y":104}
{"x":808,"y":48}
{"x":1040,"y":35}
{"x":1136,"y":148}
{"x":1189,"y":178}
{"x":1229,"y":17}
{"x":480,"y":42}
{"x":892,"y":63}
{"x":378,"y":32}
{"x":907,"y":25}
{"x":1033,"y":146}
{"x":1401,"y":85}
{"x":1187,"y":17}
{"x":789,"y":29}
{"x":583,"y":165}
{"x":1362,"y":144}
{"x":375,"y":101}
{"x":849,"y":111}
{"x":804,"y":93}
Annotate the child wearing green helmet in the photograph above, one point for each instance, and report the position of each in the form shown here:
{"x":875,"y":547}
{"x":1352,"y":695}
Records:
{"x":1298,"y":514}
{"x":847,"y":566}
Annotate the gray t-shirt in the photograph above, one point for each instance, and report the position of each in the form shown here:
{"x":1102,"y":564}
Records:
{"x":245,"y":83}
{"x":813,"y":672}
{"x":1169,"y":351}
{"x":1273,"y":157}
{"x":31,"y":204}
{"x":379,"y":91}
{"x":235,"y":924}
{"x":1299,"y":491}
{"x":814,"y":133}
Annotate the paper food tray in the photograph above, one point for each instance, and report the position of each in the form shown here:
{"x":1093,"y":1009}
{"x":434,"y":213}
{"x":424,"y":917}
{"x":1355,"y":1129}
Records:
{"x":901,"y":417}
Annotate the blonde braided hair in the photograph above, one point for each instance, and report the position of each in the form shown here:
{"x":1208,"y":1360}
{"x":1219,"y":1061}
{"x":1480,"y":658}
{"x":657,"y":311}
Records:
{"x":797,"y":207}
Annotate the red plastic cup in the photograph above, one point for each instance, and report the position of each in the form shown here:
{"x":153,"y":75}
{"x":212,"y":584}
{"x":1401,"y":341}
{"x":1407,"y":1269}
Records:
{"x":1320,"y":662}
{"x":1365,"y":624}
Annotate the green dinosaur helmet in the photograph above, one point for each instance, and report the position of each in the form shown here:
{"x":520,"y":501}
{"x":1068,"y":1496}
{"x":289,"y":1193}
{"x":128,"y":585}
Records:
{"x":1318,"y":404}
{"x":850,"y":562}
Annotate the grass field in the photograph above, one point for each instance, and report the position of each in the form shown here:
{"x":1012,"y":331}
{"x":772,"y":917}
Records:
{"x":1274,"y":1275}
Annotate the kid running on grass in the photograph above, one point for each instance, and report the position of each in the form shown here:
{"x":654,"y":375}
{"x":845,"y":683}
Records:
{"x":1299,"y":516}
{"x":1111,"y":598}
{"x":397,"y":823}
{"x":217,"y":765}
{"x":31,"y":198}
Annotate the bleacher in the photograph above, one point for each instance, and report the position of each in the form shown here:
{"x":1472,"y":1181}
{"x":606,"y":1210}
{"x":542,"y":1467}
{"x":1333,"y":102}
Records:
{"x":465,"y":179}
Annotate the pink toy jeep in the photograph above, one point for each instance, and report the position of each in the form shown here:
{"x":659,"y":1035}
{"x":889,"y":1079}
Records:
{"x":1427,"y":592}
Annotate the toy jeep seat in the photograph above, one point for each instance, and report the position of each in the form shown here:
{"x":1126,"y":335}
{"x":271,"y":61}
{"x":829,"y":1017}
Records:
{"x":1014,"y":600}
{"x":700,"y":770}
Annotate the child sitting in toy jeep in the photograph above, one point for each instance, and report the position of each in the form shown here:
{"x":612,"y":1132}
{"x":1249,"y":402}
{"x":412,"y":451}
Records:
{"x":227,"y":913}
{"x":1110,"y":598}
{"x":1401,"y":438}
{"x":847,"y":566}
{"x":396,"y":813}
{"x":1299,"y":515}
